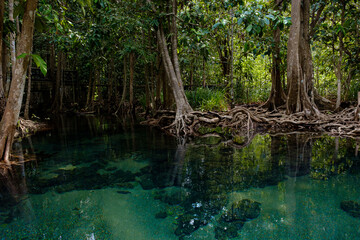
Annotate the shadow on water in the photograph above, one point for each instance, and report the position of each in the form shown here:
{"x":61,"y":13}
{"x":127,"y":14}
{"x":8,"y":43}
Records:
{"x":193,"y":181}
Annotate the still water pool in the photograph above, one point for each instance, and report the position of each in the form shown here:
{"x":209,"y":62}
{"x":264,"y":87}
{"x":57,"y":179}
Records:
{"x":93,"y":178}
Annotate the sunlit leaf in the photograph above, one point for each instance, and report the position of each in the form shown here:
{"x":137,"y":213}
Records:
{"x":40,"y":63}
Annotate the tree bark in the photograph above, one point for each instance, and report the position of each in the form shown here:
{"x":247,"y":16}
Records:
{"x":123,"y":96}
{"x":94,"y":89}
{"x":131,"y":82}
{"x":277,"y":95}
{"x":204,"y":73}
{"x":57,"y":106}
{"x":191,"y":74}
{"x":300,"y":70}
{"x":182,"y":105}
{"x":4,"y":63}
{"x":224,"y":52}
{"x":174,"y":48}
{"x":159,"y":80}
{"x":172,"y":69}
{"x":12,"y":38}
{"x":111,"y":80}
{"x":89,"y":89}
{"x":2,"y":79}
{"x":147,"y":89}
{"x":12,"y":110}
{"x":232,"y":61}
{"x":338,"y":70}
{"x":28,"y":93}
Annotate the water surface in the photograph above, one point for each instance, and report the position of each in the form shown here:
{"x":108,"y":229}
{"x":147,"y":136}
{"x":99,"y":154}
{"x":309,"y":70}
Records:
{"x":95,"y":178}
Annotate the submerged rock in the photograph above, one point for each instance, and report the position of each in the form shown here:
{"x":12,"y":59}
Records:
{"x":228,"y":230}
{"x":146,"y":182}
{"x":162,"y":214}
{"x":122,"y":176}
{"x":351,"y":207}
{"x":243,"y":210}
{"x":172,"y":198}
{"x":110,"y":169}
{"x":125,"y":185}
{"x":188,"y":223}
{"x":123,"y":192}
{"x":65,"y":188}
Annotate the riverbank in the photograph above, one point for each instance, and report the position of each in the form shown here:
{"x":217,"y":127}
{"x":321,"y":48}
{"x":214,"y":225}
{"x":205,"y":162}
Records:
{"x":244,"y":121}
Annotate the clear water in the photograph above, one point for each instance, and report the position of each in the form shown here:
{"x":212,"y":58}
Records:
{"x":94,"y":178}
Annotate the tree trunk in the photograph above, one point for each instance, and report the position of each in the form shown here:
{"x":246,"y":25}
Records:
{"x":62,"y":88}
{"x":174,"y":48}
{"x":232,"y":61}
{"x":94,"y":89}
{"x":2,"y":79}
{"x":182,"y":105}
{"x":12,"y":38}
{"x":52,"y":64}
{"x":56,"y":107}
{"x":152,"y":85}
{"x":277,"y":96}
{"x":12,"y":110}
{"x":131,"y":82}
{"x":147,"y":89}
{"x":224,"y":53}
{"x":172,"y":69}
{"x":164,"y":82}
{"x":159,"y":80}
{"x":338,"y":70}
{"x":300,"y":70}
{"x":28,"y":93}
{"x":191,"y":74}
{"x":123,"y":96}
{"x":4,"y":64}
{"x":111,"y":80}
{"x":204,"y":74}
{"x":89,"y":89}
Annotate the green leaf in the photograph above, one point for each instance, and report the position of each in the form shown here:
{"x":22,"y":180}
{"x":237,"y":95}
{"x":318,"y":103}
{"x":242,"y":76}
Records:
{"x":240,"y":21}
{"x":267,"y":22}
{"x":216,"y":25}
{"x":249,"y":28}
{"x":272,"y":17}
{"x":21,"y":55}
{"x":287,"y":21}
{"x":40,"y":63}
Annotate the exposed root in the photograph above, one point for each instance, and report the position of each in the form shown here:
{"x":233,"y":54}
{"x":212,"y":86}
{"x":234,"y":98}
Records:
{"x":124,"y":108}
{"x":244,"y":121}
{"x":26,"y":127}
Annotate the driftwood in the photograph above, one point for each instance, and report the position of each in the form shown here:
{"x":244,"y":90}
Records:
{"x":242,"y":121}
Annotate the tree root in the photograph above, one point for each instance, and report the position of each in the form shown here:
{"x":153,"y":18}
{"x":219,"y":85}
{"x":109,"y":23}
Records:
{"x":26,"y":127}
{"x":243,"y":121}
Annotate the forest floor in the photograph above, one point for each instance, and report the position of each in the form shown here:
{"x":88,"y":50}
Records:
{"x":242,"y":122}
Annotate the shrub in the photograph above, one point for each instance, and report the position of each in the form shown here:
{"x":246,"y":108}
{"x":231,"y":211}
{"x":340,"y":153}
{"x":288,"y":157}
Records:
{"x":206,"y":99}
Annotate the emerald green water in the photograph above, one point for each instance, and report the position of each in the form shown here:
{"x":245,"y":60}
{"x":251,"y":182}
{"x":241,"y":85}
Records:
{"x":93,"y":178}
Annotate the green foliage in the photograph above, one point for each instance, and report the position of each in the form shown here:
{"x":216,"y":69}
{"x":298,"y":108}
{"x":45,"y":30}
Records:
{"x":207,"y":99}
{"x":40,"y":63}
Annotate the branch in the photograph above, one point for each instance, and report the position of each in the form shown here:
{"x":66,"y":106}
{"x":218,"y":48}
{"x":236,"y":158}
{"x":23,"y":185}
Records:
{"x":317,"y":20}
